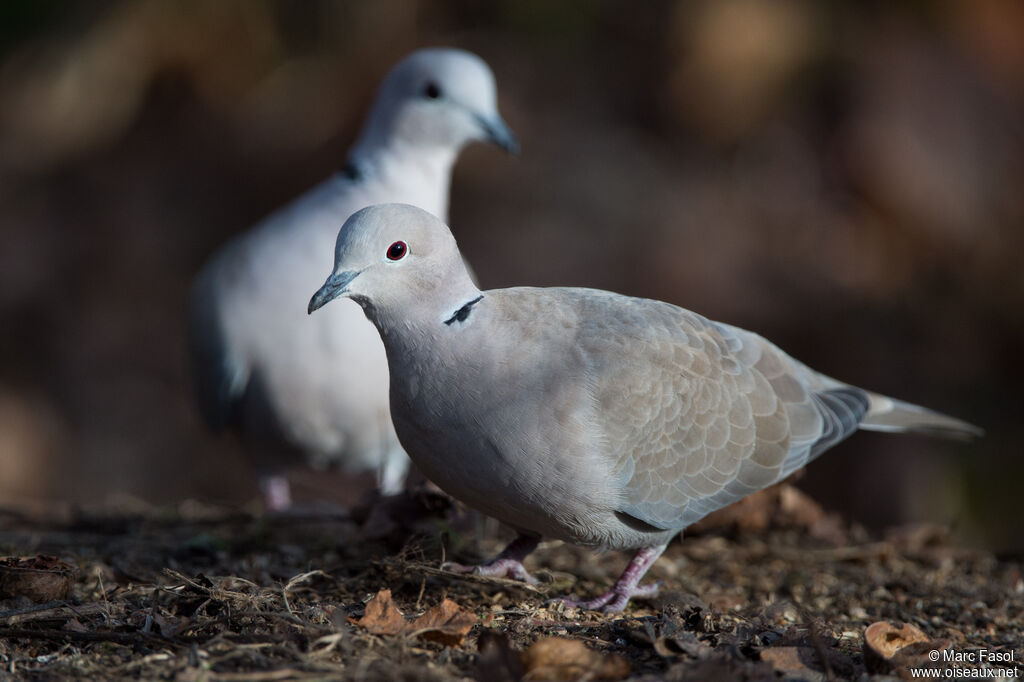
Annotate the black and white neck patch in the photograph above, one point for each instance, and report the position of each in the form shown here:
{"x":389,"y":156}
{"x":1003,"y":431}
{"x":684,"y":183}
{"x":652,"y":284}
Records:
{"x":352,"y":171}
{"x":462,"y":313}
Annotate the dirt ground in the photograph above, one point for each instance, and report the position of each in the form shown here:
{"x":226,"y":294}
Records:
{"x":774,"y":589}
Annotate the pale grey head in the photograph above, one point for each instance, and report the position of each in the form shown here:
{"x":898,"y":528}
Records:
{"x":397,"y":257}
{"x":437,"y":97}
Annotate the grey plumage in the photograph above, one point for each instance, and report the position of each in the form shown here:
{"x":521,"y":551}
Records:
{"x":584,"y":415}
{"x":260,"y":366}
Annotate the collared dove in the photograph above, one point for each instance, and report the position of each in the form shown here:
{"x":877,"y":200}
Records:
{"x":289,"y":383}
{"x":584,"y":415}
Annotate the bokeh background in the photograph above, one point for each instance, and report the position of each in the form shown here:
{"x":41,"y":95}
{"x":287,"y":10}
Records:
{"x":844,"y":177}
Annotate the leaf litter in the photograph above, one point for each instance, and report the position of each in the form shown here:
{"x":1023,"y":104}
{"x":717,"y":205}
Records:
{"x":202,"y":593}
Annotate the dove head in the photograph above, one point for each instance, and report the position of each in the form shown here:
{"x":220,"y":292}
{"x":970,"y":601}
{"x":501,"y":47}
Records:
{"x":397,"y":261}
{"x":440,"y":98}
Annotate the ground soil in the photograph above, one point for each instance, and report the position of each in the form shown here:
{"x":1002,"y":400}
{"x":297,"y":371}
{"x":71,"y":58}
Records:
{"x":775,"y":589}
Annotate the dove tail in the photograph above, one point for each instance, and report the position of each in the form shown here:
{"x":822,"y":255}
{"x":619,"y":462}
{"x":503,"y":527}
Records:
{"x":894,"y":416}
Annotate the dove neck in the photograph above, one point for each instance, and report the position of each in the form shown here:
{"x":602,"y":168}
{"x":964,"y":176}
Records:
{"x":426,"y":313}
{"x":417,"y":174}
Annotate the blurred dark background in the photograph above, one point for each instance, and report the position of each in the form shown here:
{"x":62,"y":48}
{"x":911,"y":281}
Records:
{"x":846,"y":178}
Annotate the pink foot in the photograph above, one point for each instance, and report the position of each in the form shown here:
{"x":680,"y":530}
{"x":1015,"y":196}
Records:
{"x":277,"y":493}
{"x":612,"y":601}
{"x":508,"y":564}
{"x":499,"y":568}
{"x":626,"y":587}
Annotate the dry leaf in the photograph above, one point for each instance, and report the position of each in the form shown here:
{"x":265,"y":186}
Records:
{"x":559,"y":658}
{"x":793,"y":660}
{"x":884,"y":639}
{"x":678,"y":642}
{"x":40,"y":578}
{"x":447,"y":623}
{"x":382,"y":617}
{"x":890,"y":646}
{"x":171,"y":626}
{"x":75,"y":625}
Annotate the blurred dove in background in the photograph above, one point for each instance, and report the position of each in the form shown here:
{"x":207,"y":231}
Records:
{"x":287,"y":382}
{"x":580,"y":414}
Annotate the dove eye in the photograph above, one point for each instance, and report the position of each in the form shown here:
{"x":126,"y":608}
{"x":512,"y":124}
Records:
{"x":432,"y":91}
{"x":397,"y":251}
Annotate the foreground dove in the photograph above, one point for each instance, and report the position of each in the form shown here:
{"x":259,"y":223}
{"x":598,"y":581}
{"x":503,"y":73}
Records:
{"x":584,"y":415}
{"x":260,"y":365}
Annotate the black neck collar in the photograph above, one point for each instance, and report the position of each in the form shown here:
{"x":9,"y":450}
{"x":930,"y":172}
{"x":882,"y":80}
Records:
{"x":352,"y":171}
{"x":462,"y":313}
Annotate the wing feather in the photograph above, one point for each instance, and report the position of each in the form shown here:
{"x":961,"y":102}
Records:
{"x":701,"y":414}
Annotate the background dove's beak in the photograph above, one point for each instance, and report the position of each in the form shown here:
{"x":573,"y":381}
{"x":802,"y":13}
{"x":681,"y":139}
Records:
{"x":498,"y":132}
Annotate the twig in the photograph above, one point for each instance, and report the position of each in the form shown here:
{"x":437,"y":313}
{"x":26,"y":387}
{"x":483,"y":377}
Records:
{"x":234,"y":578}
{"x":49,"y":611}
{"x":268,"y":675}
{"x":423,"y":589}
{"x":305,"y":577}
{"x":103,"y":591}
{"x":32,"y":609}
{"x":286,"y":617}
{"x":188,"y":581}
{"x":323,"y":646}
{"x":131,"y":638}
{"x":158,"y":657}
{"x":287,"y":606}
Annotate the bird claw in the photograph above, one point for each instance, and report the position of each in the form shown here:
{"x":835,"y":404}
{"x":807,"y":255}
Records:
{"x":511,"y":569}
{"x":612,"y":601}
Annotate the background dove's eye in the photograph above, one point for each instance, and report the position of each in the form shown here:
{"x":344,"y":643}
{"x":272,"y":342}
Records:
{"x":432,"y":91}
{"x":397,"y":251}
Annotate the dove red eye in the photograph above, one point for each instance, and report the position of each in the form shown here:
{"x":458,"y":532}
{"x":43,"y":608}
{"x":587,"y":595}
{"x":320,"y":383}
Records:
{"x":397,"y":251}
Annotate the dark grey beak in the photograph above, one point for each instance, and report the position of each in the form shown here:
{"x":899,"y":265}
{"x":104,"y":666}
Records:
{"x":498,"y":132}
{"x":334,"y":287}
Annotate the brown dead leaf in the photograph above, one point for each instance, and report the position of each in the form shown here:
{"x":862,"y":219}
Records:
{"x":891,"y":646}
{"x":681,"y":643}
{"x":382,"y":617}
{"x":75,"y":625}
{"x":40,"y":578}
{"x":447,"y":623}
{"x":171,"y":626}
{"x":793,"y":660}
{"x":560,"y":658}
{"x":884,"y":639}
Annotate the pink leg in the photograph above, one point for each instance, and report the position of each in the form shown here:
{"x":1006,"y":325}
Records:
{"x":508,"y":564}
{"x":277,"y":494}
{"x":626,"y":587}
